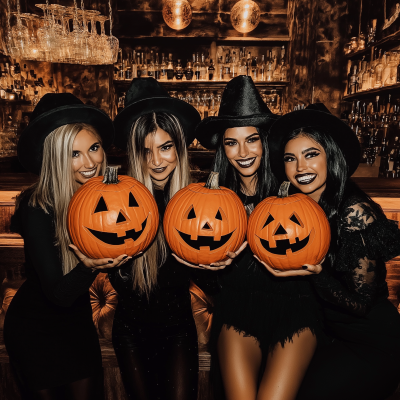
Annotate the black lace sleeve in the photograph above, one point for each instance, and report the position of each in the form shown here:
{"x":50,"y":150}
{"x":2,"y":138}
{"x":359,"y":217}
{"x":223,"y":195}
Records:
{"x":367,"y":240}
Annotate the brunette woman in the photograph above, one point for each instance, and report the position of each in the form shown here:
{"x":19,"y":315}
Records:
{"x":48,"y":329}
{"x":264,"y":329}
{"x":154,"y":334}
{"x":318,"y":153}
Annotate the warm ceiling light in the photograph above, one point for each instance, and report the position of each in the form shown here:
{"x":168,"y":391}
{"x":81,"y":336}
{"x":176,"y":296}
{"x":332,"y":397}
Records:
{"x":177,"y":14}
{"x":245,"y":16}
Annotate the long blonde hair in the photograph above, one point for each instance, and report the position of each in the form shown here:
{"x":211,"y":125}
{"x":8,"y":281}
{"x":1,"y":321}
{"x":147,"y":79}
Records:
{"x":145,"y":267}
{"x":57,"y":185}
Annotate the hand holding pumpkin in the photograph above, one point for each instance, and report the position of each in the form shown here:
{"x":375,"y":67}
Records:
{"x":310,"y":270}
{"x":99,"y":263}
{"x":216,"y":265}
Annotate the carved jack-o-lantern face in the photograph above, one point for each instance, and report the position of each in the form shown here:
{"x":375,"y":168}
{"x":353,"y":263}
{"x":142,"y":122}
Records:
{"x":202,"y":224}
{"x":289,"y":232}
{"x":107,"y":220}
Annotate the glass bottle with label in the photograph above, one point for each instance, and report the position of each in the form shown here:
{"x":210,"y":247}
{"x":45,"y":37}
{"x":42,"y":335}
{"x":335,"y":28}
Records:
{"x":189,"y":71}
{"x":163,"y":68}
{"x":262,"y":70}
{"x":283,"y":71}
{"x":143,"y":68}
{"x":150,"y":70}
{"x":254,"y":69}
{"x":242,"y":64}
{"x":220,"y":69}
{"x":170,"y":68}
{"x":134,"y":65}
{"x":379,"y":70}
{"x":234,"y":66}
{"x":157,"y":71}
{"x":353,"y":81}
{"x":227,"y":68}
{"x":196,"y":68}
{"x":203,"y":68}
{"x":179,"y":71}
{"x":248,"y":64}
{"x":211,"y":71}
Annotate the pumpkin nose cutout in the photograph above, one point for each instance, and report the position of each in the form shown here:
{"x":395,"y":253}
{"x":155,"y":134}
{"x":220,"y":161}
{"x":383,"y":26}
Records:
{"x":121,"y":218}
{"x":280,"y":230}
{"x":207,"y":227}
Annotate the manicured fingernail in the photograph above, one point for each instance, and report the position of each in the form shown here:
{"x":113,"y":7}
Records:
{"x":304,"y":267}
{"x":110,"y":261}
{"x":124,"y":257}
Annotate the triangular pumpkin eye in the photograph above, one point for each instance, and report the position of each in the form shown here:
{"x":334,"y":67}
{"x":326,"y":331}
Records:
{"x":191,"y":214}
{"x":295,"y":219}
{"x":218,"y":216}
{"x":101,"y":206}
{"x":132,"y":201}
{"x":268,"y":221}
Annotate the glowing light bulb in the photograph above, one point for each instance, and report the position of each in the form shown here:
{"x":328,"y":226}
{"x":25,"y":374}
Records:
{"x":177,"y":14}
{"x":245,"y":16}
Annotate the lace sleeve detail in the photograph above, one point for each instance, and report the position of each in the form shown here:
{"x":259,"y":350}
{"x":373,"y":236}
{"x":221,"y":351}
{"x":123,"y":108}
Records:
{"x":366,"y":242}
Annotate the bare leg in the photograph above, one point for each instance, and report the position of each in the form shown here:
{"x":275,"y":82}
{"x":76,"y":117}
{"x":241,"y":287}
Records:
{"x":286,"y":367}
{"x":240,"y":361}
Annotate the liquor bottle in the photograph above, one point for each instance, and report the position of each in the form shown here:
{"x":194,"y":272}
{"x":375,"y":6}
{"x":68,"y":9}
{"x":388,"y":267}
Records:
{"x":144,"y":67}
{"x":270,"y":71}
{"x":283,"y":71}
{"x":220,"y":69}
{"x":134,"y":65}
{"x":262,"y":70}
{"x":179,"y":71}
{"x":242,"y":64}
{"x":157,"y":72}
{"x":227,"y":68}
{"x":151,"y":69}
{"x":254,"y":69}
{"x":128,"y":69}
{"x":189,"y":71}
{"x":361,"y":66}
{"x":248,"y":64}
{"x":366,"y":77}
{"x":211,"y":71}
{"x":234,"y":66}
{"x":379,"y":70}
{"x":197,"y":68}
{"x":138,"y":66}
{"x":170,"y":68}
{"x":163,"y":68}
{"x":277,"y":71}
{"x":203,"y":68}
{"x":353,"y":81}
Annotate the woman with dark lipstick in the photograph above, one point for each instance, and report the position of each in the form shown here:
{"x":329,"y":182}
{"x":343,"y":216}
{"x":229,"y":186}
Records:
{"x":154,"y":333}
{"x":264,"y":329}
{"x":48,"y":330}
{"x":318,"y":153}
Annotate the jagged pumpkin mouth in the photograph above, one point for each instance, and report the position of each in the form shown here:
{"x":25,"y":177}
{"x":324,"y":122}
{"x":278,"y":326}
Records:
{"x":113,"y":238}
{"x":205,"y":241}
{"x":283,"y":245}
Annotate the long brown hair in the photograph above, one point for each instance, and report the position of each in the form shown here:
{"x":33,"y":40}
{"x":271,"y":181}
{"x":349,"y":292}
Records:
{"x":145,"y":267}
{"x":57,"y":185}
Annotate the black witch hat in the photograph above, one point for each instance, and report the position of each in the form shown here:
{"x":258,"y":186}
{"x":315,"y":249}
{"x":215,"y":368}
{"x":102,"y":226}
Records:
{"x":146,"y":95}
{"x":313,"y":116}
{"x":241,"y":105}
{"x":53,"y":111}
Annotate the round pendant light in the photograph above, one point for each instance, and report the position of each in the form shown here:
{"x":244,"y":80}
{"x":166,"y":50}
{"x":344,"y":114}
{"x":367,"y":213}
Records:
{"x":177,"y":14}
{"x":245,"y":16}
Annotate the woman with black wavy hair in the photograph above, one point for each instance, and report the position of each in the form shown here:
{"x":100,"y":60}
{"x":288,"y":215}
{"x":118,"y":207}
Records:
{"x":318,"y":153}
{"x":264,"y":330}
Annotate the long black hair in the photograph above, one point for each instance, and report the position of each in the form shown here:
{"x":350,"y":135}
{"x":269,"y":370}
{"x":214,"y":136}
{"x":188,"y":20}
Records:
{"x":339,"y":187}
{"x":230,"y":177}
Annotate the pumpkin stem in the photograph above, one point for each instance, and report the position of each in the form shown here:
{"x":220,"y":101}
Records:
{"x":284,"y":190}
{"x":111,"y":176}
{"x":212,"y":181}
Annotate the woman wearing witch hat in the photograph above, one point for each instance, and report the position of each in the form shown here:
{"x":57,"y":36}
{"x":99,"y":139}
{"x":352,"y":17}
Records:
{"x":264,"y":329}
{"x":154,"y":334}
{"x":48,"y":329}
{"x":318,"y":153}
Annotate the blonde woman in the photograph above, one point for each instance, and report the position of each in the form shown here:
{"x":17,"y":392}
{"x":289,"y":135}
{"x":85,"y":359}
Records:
{"x":154,"y":333}
{"x":48,"y":330}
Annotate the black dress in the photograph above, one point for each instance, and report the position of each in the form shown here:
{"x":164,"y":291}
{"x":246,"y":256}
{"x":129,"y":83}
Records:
{"x":48,"y":329}
{"x":362,"y":361}
{"x":256,"y":303}
{"x":154,"y":337}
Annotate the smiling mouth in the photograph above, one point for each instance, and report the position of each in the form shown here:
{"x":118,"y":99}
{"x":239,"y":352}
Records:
{"x":88,"y":174}
{"x":305,"y":179}
{"x":113,"y":239}
{"x":159,"y":170}
{"x":283,"y":245}
{"x":246,"y":163}
{"x":205,"y":241}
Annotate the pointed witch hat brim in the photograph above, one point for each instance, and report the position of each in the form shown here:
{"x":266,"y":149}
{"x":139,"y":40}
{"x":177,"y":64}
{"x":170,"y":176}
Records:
{"x":146,"y":95}
{"x":241,"y":105}
{"x":313,"y":116}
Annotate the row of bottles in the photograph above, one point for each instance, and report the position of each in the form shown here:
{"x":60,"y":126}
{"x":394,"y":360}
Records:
{"x":377,"y":126}
{"x":18,"y":83}
{"x":382,"y":71}
{"x":224,"y":69}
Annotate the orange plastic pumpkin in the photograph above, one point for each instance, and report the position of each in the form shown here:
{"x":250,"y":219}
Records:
{"x":114,"y":216}
{"x":203,"y":222}
{"x":287,"y":232}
